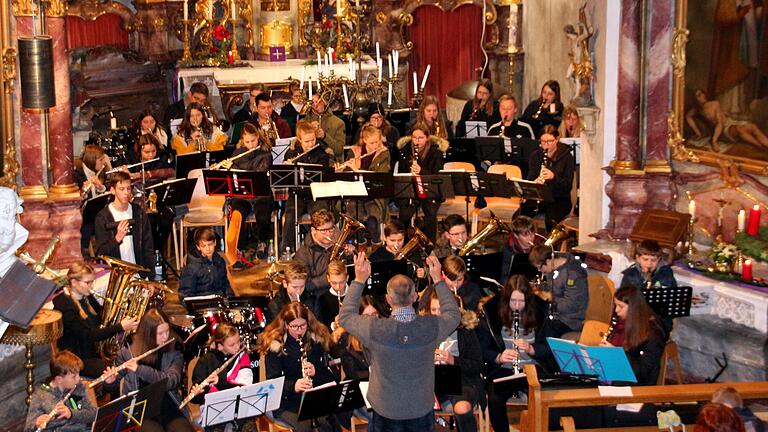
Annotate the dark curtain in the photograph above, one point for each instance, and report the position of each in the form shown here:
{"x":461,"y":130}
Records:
{"x":450,"y":42}
{"x":107,"y":29}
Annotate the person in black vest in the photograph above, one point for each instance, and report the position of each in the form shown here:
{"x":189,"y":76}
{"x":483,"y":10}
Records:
{"x":512,"y":128}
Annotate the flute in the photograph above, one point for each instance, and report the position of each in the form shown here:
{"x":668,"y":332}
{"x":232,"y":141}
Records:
{"x":217,"y":371}
{"x":104,"y":377}
{"x":53,"y":411}
{"x":114,"y":170}
{"x":232,"y":159}
{"x":295,"y":158}
{"x":88,"y":184}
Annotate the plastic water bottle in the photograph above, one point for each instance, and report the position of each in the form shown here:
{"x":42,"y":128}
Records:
{"x":271,"y":252}
{"x":159,"y":273}
{"x":287,"y":254}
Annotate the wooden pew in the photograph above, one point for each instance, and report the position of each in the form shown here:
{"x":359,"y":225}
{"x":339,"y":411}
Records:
{"x":536,"y":417}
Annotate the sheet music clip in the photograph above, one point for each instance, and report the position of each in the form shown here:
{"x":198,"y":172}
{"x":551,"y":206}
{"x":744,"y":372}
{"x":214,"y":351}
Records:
{"x":132,"y":410}
{"x":236,"y":183}
{"x":325,"y":400}
{"x":242,"y":402}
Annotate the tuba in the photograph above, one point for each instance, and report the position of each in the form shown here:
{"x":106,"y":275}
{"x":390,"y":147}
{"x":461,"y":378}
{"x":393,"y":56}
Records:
{"x":349,"y":227}
{"x":558,"y":234}
{"x":420,"y":240}
{"x":124,"y":297}
{"x":495,"y":224}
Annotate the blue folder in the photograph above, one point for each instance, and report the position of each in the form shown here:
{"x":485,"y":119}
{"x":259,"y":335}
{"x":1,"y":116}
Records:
{"x":610,"y":364}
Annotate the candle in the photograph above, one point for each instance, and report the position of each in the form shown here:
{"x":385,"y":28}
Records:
{"x":346,"y":95}
{"x":389,"y":63}
{"x":351,"y":69}
{"x":318,"y":85}
{"x":310,"y":88}
{"x":338,"y":7}
{"x":426,"y":75}
{"x":692,"y":208}
{"x":746,"y":270}
{"x":389,"y":95}
{"x":112,"y":122}
{"x":741,"y":221}
{"x":378,"y":64}
{"x":186,"y":12}
{"x":415,"y":83}
{"x":357,"y":4}
{"x":754,"y":221}
{"x":233,"y":9}
{"x":230,"y":57}
{"x":328,"y":63}
{"x":396,"y":58}
{"x":319,"y":62}
{"x":378,"y":53}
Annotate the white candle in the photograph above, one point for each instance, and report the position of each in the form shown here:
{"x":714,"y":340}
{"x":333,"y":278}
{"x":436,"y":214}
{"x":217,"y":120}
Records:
{"x":303,"y":74}
{"x":396,"y":57}
{"x":742,"y":218}
{"x":378,"y":52}
{"x":415,"y":83}
{"x":310,"y":88}
{"x":319,"y":62}
{"x":330,"y":58}
{"x":426,"y":75}
{"x":692,"y":208}
{"x":186,"y":12}
{"x":379,"y":65}
{"x":389,"y":95}
{"x":357,"y":4}
{"x":338,"y":7}
{"x":318,"y":85}
{"x":346,"y":95}
{"x":233,"y":9}
{"x":389,"y":63}
{"x":351,"y":69}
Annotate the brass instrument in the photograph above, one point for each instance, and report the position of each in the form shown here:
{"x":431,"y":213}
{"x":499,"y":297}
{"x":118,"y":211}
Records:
{"x":232,"y":159}
{"x":419,"y":239}
{"x":516,"y":336}
{"x":53,"y":410}
{"x":217,"y":371}
{"x":494,"y":224}
{"x":200,"y":143}
{"x":437,"y":128}
{"x":104,"y":377}
{"x":611,"y":328}
{"x":538,"y":111}
{"x":270,"y":130}
{"x":501,"y":130}
{"x":303,"y":359}
{"x":122,"y":298}
{"x":558,"y":233}
{"x":349,"y":227}
{"x":152,"y":202}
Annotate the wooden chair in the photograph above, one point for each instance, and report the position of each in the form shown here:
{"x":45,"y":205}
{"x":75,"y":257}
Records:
{"x":670,"y":353}
{"x":592,"y":333}
{"x":503,"y":208}
{"x":457,"y":204}
{"x":601,"y":290}
{"x":194,"y":409}
{"x":273,"y":424}
{"x":204,"y":210}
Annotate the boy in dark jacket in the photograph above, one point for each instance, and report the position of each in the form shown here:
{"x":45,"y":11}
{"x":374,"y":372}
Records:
{"x":206,"y":271}
{"x":648,"y":271}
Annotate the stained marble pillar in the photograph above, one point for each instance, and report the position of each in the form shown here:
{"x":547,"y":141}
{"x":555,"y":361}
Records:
{"x":658,"y":82}
{"x":628,"y":92}
{"x":628,"y":197}
{"x":60,"y":116}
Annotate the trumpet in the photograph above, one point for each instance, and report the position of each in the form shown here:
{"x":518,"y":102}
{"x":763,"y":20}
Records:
{"x":270,"y":129}
{"x":232,"y":159}
{"x":104,"y":377}
{"x":217,"y":371}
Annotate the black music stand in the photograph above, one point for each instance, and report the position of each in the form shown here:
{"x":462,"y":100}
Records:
{"x":381,"y":273}
{"x":377,"y":184}
{"x":295,"y":177}
{"x":490,"y":148}
{"x":198,"y":303}
{"x":132,"y":410}
{"x":531,"y":191}
{"x":478,"y":184}
{"x":462,"y":150}
{"x":94,"y":205}
{"x":436,"y":187}
{"x":488,"y":265}
{"x":447,"y":379}
{"x":520,"y":151}
{"x":325,"y":401}
{"x":172,"y":193}
{"x":22,"y":294}
{"x":237,"y":183}
{"x":190,"y":161}
{"x":669,"y":302}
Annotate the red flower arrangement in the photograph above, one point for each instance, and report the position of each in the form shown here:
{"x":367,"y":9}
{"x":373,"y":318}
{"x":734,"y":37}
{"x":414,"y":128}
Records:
{"x":220,"y":33}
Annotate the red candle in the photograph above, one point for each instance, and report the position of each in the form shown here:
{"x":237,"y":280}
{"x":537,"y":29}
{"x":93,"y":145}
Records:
{"x":230,"y":57}
{"x":746,"y":271}
{"x":754,"y":221}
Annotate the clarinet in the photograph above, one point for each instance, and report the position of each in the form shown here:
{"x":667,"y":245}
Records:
{"x":420,"y":190}
{"x":516,"y":336}
{"x":611,"y":328}
{"x":218,"y":370}
{"x":303,"y":360}
{"x":53,"y":411}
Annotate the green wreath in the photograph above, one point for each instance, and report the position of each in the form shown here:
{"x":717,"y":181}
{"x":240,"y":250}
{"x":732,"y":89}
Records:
{"x":755,"y":247}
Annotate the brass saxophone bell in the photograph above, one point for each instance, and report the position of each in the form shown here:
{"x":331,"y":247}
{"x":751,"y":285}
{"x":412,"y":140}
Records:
{"x":152,"y":202}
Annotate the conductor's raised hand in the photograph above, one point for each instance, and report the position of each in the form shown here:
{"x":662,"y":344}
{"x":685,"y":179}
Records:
{"x":362,"y":268}
{"x":435,"y":270}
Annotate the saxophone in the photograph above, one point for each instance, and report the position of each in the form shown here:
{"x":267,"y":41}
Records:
{"x":538,"y":111}
{"x":501,"y":130}
{"x":303,"y":360}
{"x":516,"y":336}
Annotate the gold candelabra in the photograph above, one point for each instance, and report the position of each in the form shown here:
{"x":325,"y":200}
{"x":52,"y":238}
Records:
{"x":691,"y":249}
{"x":235,"y":52}
{"x":187,"y":56}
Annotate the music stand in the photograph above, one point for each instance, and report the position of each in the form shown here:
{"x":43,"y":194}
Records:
{"x":93,"y":206}
{"x":462,"y":150}
{"x":198,"y":303}
{"x":130,"y":411}
{"x":23,"y":294}
{"x":488,"y":265}
{"x":520,"y":151}
{"x":279,"y":149}
{"x":295,"y":177}
{"x":172,"y":193}
{"x":531,"y":191}
{"x":478,"y":184}
{"x":190,"y":161}
{"x":327,"y":400}
{"x":490,"y":148}
{"x":476,"y":128}
{"x":241,"y":402}
{"x":381,"y":273}
{"x":610,"y":364}
{"x":447,"y":379}
{"x":436,"y":187}
{"x":236,"y":183}
{"x":378,"y":185}
{"x":669,"y":302}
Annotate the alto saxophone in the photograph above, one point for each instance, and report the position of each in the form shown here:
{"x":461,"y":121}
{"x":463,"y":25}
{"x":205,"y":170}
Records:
{"x":516,"y":336}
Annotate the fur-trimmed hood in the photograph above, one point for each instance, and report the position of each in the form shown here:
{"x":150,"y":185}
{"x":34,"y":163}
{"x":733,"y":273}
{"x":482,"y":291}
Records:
{"x":276,"y":346}
{"x":442,"y":143}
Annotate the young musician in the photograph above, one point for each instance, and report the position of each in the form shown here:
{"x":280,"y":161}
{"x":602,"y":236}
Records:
{"x":546,"y":109}
{"x":565,"y":288}
{"x":500,"y":349}
{"x":394,"y":239}
{"x":197,"y":133}
{"x":370,"y":155}
{"x":122,"y":228}
{"x":154,"y":330}
{"x":244,"y":370}
{"x":648,"y":270}
{"x":247,"y":111}
{"x":454,"y":236}
{"x":639,"y":332}
{"x":430,"y":114}
{"x":91,"y":175}
{"x":271,"y":125}
{"x":259,"y":159}
{"x":481,"y":108}
{"x":206,"y":271}
{"x":552,"y":164}
{"x":146,"y":123}
{"x":293,"y":289}
{"x":307,"y":149}
{"x":80,"y":316}
{"x":515,"y":251}
{"x":295,"y":345}
{"x":291,"y":110}
{"x":330,"y":128}
{"x":455,"y":276}
{"x":572,"y":127}
{"x":198,"y":93}
{"x":421,"y":155}
{"x":512,"y":128}
{"x":73,"y":414}
{"x":148,"y":147}
{"x":461,"y":348}
{"x":389,"y":133}
{"x":329,"y":302}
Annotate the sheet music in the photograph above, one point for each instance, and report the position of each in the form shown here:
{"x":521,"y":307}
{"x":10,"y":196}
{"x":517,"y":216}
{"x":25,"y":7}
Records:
{"x":476,"y":129}
{"x":338,"y":188}
{"x":278,"y":150}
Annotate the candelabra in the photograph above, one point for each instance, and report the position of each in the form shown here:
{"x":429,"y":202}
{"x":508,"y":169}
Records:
{"x":691,"y":249}
{"x":187,"y":56}
{"x":235,"y":52}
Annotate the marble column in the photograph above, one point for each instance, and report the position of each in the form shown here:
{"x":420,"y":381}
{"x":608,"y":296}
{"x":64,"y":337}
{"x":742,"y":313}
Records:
{"x":628,"y":122}
{"x":628,"y":197}
{"x":658,"y":81}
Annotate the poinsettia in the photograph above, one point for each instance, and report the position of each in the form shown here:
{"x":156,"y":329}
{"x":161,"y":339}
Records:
{"x":220,"y":33}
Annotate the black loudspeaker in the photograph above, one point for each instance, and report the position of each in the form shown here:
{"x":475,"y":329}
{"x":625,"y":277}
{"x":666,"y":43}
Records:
{"x":36,"y":67}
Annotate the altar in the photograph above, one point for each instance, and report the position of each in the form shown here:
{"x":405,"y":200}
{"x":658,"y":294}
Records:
{"x":230,"y":83}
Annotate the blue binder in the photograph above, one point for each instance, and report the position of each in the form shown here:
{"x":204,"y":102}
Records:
{"x":608,"y":363}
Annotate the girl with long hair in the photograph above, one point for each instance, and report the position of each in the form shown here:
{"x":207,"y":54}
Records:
{"x":296,"y":345}
{"x":90,"y":175}
{"x":430,"y":114}
{"x":197,"y":133}
{"x":481,"y":108}
{"x":547,"y":109}
{"x":80,"y":317}
{"x":146,"y":123}
{"x":638,"y":330}
{"x":167,"y":363}
{"x":572,"y":126}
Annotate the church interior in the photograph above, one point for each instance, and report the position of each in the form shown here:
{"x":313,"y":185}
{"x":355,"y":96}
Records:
{"x":657,"y":110}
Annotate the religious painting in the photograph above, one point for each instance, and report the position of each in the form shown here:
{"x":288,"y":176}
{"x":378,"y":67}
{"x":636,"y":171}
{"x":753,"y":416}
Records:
{"x":722,"y":98}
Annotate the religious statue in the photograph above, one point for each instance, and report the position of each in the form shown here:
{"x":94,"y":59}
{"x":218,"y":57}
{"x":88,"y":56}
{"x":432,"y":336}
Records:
{"x":580,"y":68}
{"x":12,"y":234}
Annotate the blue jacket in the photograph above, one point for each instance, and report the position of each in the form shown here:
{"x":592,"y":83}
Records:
{"x":661,"y":277}
{"x":203,"y":276}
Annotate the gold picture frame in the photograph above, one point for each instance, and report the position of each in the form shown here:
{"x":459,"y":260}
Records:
{"x":681,"y":147}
